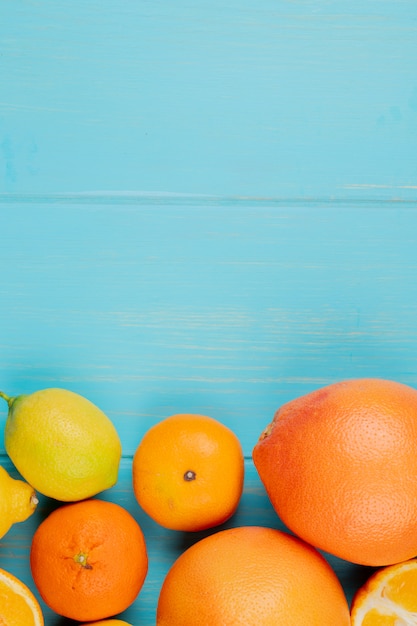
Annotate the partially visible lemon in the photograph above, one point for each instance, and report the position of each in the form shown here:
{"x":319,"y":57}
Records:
{"x":17,"y":501}
{"x":62,"y":444}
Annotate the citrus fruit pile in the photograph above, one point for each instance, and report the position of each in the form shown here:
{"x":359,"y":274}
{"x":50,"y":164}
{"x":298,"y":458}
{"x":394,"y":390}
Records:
{"x":339,"y":466}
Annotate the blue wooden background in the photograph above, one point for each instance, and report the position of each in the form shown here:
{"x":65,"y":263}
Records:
{"x":205,"y":207}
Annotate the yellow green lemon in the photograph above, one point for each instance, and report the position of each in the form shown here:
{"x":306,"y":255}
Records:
{"x":62,"y":444}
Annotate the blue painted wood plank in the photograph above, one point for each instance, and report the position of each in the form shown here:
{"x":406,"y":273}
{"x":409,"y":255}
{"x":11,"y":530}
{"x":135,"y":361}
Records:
{"x":283,"y":99}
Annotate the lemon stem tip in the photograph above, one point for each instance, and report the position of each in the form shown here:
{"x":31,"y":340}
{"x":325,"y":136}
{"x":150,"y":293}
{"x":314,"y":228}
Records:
{"x":8,"y":399}
{"x":34,"y":500}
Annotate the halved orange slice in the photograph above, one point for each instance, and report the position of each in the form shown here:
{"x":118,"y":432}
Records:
{"x":18,"y":605}
{"x":388,"y":598}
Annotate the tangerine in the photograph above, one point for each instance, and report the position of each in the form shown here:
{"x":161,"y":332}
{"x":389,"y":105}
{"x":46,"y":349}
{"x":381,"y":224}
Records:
{"x":89,"y":560}
{"x":18,"y":605}
{"x":340,"y":468}
{"x":251,"y":576}
{"x":188,"y":472}
{"x":388,"y":598}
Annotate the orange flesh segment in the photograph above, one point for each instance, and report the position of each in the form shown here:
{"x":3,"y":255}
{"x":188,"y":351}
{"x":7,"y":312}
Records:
{"x":375,"y":618}
{"x":402,"y":590}
{"x":15,"y":609}
{"x":389,"y":598}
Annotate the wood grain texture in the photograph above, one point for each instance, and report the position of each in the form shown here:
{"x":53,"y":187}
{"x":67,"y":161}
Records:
{"x":227,"y":308}
{"x":311,"y":98}
{"x":205,"y":207}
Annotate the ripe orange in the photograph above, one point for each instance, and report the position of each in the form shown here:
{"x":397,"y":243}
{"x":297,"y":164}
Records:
{"x":251,"y":576}
{"x":89,"y":560}
{"x":340,"y":468}
{"x":188,"y":472}
{"x":388,"y":598}
{"x":18,"y":605}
